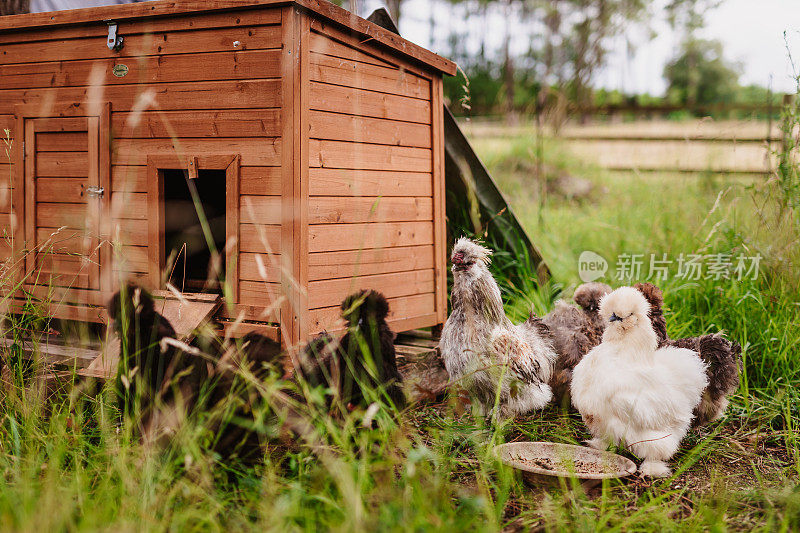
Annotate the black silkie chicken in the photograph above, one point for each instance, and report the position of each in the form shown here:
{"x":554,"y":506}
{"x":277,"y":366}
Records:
{"x":169,"y":384}
{"x":146,"y":365}
{"x":361,"y":366}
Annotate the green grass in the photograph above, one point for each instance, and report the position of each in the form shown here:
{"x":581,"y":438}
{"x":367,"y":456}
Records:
{"x":68,"y":465}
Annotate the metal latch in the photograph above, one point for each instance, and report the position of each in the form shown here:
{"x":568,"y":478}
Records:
{"x":95,"y":191}
{"x":114,"y":42}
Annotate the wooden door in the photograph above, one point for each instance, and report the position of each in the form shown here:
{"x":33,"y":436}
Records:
{"x":65,"y":198}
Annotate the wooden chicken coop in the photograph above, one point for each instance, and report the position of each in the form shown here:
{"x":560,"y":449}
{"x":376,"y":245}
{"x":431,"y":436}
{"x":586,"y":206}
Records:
{"x":311,"y":139}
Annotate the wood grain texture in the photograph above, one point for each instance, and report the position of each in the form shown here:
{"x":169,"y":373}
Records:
{"x":328,"y":44}
{"x":337,"y":180}
{"x":129,"y":178}
{"x":226,"y":123}
{"x":129,"y":205}
{"x":259,"y":293}
{"x":260,"y":238}
{"x":77,"y":141}
{"x":358,"y":156}
{"x":340,"y":182}
{"x":254,"y":152}
{"x":251,"y":312}
{"x":348,"y":73}
{"x":232,"y":225}
{"x":325,"y":97}
{"x":185,"y":317}
{"x":439,"y":200}
{"x":336,"y":237}
{"x":260,"y":209}
{"x":58,"y":190}
{"x":56,"y":215}
{"x":132,"y":259}
{"x":66,"y":311}
{"x":260,"y":267}
{"x":256,"y":64}
{"x":341,"y":42}
{"x":130,"y":232}
{"x":327,"y":293}
{"x":236,"y":330}
{"x":178,"y":23}
{"x":5,"y":199}
{"x":142,"y":43}
{"x":62,"y":164}
{"x":63,"y":270}
{"x":401,"y":313}
{"x":253,"y":181}
{"x":320,"y":9}
{"x":60,"y":240}
{"x":26,"y":166}
{"x":329,"y":210}
{"x":334,"y":126}
{"x":290,"y":180}
{"x":261,"y":181}
{"x":346,"y":264}
{"x":166,"y":96}
{"x":369,"y":32}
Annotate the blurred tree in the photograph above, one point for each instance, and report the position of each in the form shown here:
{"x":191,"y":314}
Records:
{"x":14,"y":7}
{"x":549,"y":52}
{"x":595,"y":24}
{"x":687,"y":17}
{"x":699,"y":75}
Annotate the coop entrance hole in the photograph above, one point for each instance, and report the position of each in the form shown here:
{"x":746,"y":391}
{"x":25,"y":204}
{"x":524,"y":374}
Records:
{"x":191,"y":265}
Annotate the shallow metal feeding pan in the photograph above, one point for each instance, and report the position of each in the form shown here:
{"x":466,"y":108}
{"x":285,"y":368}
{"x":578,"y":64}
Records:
{"x":539,"y":461}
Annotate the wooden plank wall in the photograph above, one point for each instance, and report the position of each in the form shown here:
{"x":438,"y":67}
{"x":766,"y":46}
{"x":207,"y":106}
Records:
{"x":207,"y":84}
{"x":371,"y":181}
{"x":6,"y":155}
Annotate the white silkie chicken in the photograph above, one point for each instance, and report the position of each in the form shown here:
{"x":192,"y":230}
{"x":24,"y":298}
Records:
{"x":629,"y":391}
{"x":483,"y":350}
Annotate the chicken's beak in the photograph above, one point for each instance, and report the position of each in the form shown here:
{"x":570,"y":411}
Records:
{"x":614,"y":318}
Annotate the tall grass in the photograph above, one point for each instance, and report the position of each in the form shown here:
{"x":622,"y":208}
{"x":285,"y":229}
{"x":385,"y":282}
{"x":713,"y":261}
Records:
{"x":70,"y":462}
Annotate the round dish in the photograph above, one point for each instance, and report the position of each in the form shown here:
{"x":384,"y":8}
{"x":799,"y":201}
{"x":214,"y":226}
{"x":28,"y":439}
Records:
{"x":564,"y":460}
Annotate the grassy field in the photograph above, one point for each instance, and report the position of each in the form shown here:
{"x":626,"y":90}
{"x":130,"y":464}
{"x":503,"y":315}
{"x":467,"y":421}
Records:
{"x":68,"y":465}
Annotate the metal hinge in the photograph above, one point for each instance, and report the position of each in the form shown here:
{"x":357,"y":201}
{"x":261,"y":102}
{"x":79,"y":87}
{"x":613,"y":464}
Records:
{"x":114,"y":41}
{"x":95,"y":192}
{"x":23,"y":149}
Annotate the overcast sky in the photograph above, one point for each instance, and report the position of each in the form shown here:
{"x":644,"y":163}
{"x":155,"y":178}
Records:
{"x":751,"y":32}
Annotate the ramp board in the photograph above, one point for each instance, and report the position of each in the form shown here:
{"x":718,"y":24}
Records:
{"x":468,"y":181}
{"x":52,"y":353}
{"x":185,"y":314}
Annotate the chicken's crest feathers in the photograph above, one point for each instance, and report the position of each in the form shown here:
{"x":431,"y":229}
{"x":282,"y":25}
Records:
{"x":133,"y":298}
{"x":472,"y":249}
{"x":624,"y":302}
{"x":588,"y":295}
{"x":364,"y":304}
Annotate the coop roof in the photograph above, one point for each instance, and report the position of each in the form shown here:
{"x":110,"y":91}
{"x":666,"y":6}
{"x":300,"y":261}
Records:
{"x":160,"y":8}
